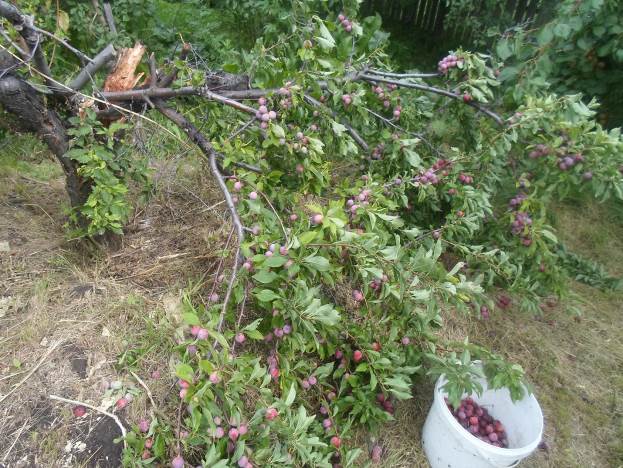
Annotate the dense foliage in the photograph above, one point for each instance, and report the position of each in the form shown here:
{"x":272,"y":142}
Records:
{"x":579,"y":50}
{"x":355,"y":252}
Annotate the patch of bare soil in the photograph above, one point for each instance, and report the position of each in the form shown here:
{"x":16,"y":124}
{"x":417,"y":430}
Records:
{"x":69,"y":310}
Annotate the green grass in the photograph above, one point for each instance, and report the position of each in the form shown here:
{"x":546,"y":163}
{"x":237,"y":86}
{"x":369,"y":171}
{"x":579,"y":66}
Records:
{"x":25,"y":156}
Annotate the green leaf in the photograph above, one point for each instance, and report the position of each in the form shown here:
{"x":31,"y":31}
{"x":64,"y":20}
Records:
{"x":338,"y":128}
{"x":265,"y":276}
{"x":325,"y":39}
{"x":546,"y":35}
{"x":190,"y":318}
{"x":317,"y":263}
{"x":549,"y":235}
{"x":266,"y":295}
{"x":562,"y":30}
{"x":503,"y":49}
{"x":278,"y":131}
{"x":412,"y":233}
{"x":275,"y":261}
{"x":185,"y":372}
{"x":412,"y":157}
{"x":307,"y":237}
{"x":62,"y":20}
{"x":231,"y":68}
{"x":291,"y":396}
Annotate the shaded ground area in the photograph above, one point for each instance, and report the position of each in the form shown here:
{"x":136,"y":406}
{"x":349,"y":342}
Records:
{"x":70,"y":317}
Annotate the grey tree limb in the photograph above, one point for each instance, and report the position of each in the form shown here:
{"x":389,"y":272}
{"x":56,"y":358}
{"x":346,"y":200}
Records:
{"x":442,"y":92}
{"x":110,"y":19}
{"x":208,"y":150}
{"x":25,"y":26}
{"x":86,"y":74}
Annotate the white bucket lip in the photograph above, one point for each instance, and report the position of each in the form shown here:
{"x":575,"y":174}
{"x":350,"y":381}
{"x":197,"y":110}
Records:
{"x":515,"y":451}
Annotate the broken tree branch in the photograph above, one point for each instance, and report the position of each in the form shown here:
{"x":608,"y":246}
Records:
{"x":431,"y":89}
{"x":403,"y":75}
{"x":164,"y":93}
{"x":110,"y":19}
{"x":100,"y":60}
{"x":23,"y":24}
{"x":351,"y":131}
{"x":206,"y":148}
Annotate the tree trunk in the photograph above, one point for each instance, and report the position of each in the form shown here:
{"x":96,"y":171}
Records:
{"x":31,"y":115}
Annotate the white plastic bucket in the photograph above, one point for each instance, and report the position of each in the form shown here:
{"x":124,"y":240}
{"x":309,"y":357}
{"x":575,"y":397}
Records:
{"x":448,"y":445}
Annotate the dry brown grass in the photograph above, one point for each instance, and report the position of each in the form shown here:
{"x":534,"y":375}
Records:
{"x":98,"y":304}
{"x":574,"y":363}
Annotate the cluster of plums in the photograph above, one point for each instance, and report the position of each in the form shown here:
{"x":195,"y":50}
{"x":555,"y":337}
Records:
{"x":377,"y":152}
{"x":569,"y":160}
{"x":478,"y":422}
{"x":466,"y":179}
{"x":447,"y":63}
{"x":363,"y":198}
{"x":428,"y":177}
{"x":385,"y":403}
{"x":383,"y":95}
{"x":263,"y":114}
{"x":539,"y":151}
{"x":517,"y":200}
{"x":286,"y":101}
{"x":522,"y":219}
{"x":345,"y":22}
{"x":302,"y":144}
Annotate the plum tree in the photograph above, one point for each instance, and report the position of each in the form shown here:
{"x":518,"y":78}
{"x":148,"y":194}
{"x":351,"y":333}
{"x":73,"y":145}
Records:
{"x":364,"y":204}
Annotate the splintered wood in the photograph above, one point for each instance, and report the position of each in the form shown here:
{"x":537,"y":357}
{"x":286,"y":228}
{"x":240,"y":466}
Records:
{"x":123,"y":76}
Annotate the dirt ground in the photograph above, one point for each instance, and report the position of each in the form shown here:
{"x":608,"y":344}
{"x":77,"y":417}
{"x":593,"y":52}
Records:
{"x":72,"y":317}
{"x":70,"y":313}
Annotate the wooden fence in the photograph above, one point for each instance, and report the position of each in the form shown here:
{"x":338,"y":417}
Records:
{"x":452,"y":17}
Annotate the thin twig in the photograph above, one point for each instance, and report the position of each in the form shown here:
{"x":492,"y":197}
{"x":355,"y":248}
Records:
{"x":351,"y":131}
{"x":149,"y":395}
{"x":167,"y":80}
{"x":404,"y":130}
{"x":240,"y":315}
{"x":403,"y":75}
{"x":221,"y":260}
{"x":208,"y":150}
{"x":442,"y":92}
{"x":80,"y":54}
{"x":33,"y":370}
{"x":19,"y":433}
{"x":12,"y":43}
{"x":239,"y":233}
{"x":6,"y":377}
{"x":283,"y":228}
{"x":94,"y":408}
{"x":241,"y":129}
